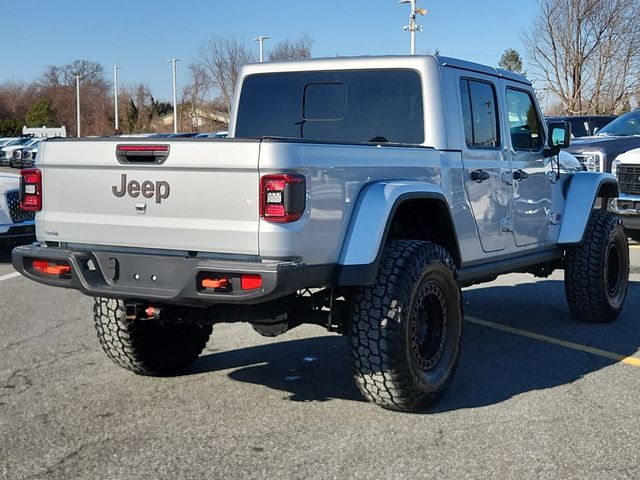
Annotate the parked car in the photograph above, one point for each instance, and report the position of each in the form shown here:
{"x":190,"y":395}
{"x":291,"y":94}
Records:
{"x":19,"y":153}
{"x":29,"y":155}
{"x":6,"y":152}
{"x":627,"y":168}
{"x":222,"y":134}
{"x":5,"y":141}
{"x":364,"y":213}
{"x":16,"y":225}
{"x":598,"y":152}
{"x":584,"y":125}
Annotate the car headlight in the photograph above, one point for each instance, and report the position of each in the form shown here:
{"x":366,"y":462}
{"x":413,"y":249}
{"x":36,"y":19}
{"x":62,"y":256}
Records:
{"x":614,"y":167}
{"x":593,"y":161}
{"x":17,"y":154}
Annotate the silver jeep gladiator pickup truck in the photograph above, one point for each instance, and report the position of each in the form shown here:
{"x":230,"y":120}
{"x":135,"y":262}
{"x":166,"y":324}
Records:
{"x":359,"y":194}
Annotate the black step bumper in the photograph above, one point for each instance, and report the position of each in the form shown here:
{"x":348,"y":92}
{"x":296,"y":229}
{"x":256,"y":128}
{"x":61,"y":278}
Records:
{"x":167,"y":278}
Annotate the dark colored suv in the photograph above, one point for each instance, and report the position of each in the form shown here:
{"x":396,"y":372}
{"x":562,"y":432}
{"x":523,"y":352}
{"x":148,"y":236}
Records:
{"x":584,"y":125}
{"x":598,"y":152}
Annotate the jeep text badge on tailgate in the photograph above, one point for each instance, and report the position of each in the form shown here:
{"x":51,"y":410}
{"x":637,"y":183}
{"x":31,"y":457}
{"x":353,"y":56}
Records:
{"x":147,"y":189}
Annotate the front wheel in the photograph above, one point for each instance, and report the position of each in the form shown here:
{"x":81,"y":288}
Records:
{"x":596,"y":273}
{"x":406,"y":329}
{"x":147,"y":347}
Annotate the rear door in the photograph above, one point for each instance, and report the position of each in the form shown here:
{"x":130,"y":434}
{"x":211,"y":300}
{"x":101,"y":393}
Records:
{"x":485,"y":163}
{"x":189,"y":196}
{"x":531,"y":184}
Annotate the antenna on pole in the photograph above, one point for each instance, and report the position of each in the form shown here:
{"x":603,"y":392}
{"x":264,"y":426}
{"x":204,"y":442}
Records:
{"x":413,"y":27}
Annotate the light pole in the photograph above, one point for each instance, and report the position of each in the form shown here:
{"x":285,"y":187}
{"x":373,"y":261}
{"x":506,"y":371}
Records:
{"x":78,"y":105}
{"x":261,"y":40}
{"x":175,"y":97}
{"x":413,"y":27}
{"x":115,"y":95}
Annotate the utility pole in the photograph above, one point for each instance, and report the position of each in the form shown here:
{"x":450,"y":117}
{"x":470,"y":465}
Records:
{"x":413,"y":27}
{"x":78,"y":105}
{"x":261,"y":40}
{"x":175,"y":97}
{"x":115,"y":96}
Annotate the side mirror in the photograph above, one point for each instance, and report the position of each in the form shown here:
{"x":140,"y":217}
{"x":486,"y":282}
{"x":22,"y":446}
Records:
{"x":559,"y":135}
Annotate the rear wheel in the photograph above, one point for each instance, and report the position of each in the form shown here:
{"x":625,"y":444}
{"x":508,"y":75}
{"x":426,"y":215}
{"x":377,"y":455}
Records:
{"x":147,"y":347}
{"x":597,"y":270}
{"x":406,"y":328}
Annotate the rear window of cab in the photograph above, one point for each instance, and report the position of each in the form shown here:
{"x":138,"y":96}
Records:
{"x":354,"y":106}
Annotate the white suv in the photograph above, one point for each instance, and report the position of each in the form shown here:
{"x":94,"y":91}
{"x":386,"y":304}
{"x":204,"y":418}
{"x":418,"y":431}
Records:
{"x":16,"y":225}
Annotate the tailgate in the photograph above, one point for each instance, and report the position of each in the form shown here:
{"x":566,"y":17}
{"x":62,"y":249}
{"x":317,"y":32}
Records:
{"x":202,"y":196}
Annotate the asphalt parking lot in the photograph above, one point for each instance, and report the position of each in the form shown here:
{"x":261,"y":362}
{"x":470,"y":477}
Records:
{"x":251,"y":407}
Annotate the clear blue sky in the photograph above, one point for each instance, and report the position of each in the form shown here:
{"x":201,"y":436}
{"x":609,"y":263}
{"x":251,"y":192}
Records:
{"x":140,"y":35}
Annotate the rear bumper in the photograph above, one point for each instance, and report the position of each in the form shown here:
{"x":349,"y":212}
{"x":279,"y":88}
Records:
{"x":170,"y":279}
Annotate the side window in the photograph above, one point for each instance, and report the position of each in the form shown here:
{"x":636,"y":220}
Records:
{"x":479,"y":114}
{"x":524,"y":123}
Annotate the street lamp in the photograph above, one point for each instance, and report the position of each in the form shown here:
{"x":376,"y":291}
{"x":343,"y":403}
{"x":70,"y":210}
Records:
{"x":413,"y":27}
{"x":78,"y":105}
{"x":261,"y":39}
{"x":175,"y":96}
{"x":115,"y":96}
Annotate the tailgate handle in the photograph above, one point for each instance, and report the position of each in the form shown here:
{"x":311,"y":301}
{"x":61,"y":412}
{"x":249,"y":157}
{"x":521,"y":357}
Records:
{"x":142,"y":153}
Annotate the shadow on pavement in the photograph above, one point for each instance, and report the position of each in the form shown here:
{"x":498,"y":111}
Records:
{"x":5,"y":255}
{"x":494,"y":365}
{"x":310,"y":369}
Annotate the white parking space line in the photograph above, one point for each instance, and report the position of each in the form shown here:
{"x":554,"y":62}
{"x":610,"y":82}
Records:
{"x":9,"y":276}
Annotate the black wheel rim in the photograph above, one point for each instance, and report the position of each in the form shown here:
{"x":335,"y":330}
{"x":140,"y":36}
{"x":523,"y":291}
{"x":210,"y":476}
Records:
{"x":614,"y":270}
{"x":428,"y":327}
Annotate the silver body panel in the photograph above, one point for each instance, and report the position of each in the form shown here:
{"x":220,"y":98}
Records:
{"x":212,"y":204}
{"x":580,"y":198}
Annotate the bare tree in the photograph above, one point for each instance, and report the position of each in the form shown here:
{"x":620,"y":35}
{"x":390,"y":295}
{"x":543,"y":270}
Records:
{"x":292,"y":49}
{"x":587,"y":52}
{"x":194,"y":96}
{"x":221,"y":59}
{"x":91,"y":73}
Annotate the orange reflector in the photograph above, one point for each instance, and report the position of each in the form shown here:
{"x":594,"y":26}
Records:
{"x":215,"y":282}
{"x":51,"y":268}
{"x":250,"y":282}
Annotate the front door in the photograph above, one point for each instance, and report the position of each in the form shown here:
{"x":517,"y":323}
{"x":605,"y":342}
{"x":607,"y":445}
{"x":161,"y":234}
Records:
{"x":485,"y":163}
{"x":531,"y":182}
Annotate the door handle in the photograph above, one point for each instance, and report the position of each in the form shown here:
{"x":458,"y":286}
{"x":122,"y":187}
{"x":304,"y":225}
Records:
{"x":520,"y":175}
{"x":480,"y":176}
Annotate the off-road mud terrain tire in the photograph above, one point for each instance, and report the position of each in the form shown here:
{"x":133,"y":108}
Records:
{"x":406,"y":328}
{"x":147,"y":347}
{"x":596,"y":273}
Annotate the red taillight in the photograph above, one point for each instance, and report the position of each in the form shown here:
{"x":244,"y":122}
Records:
{"x":31,"y":190}
{"x":282,"y":197}
{"x":51,"y":268}
{"x":250,"y":282}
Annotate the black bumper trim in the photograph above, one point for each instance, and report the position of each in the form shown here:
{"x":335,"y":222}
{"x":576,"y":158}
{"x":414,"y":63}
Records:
{"x":111,"y":274}
{"x":18,"y":233}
